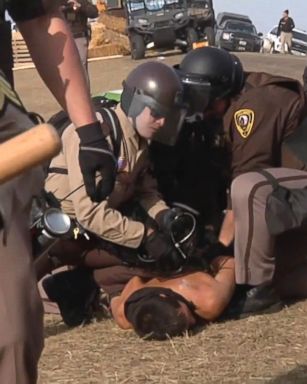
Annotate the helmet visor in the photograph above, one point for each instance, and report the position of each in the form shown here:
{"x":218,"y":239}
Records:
{"x":168,"y":134}
{"x":197,"y":93}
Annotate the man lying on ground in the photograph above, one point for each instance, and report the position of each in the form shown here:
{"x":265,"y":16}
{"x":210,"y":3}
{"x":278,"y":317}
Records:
{"x":159,"y":308}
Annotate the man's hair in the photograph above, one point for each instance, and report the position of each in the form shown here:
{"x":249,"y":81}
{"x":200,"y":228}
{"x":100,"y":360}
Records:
{"x":155,"y":313}
{"x":286,"y":11}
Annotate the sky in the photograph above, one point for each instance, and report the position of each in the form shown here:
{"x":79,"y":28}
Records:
{"x":266,"y":13}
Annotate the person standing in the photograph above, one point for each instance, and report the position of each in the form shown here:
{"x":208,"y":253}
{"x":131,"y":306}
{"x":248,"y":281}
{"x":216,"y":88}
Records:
{"x":54,"y":53}
{"x":76,"y":14}
{"x":285,"y":27}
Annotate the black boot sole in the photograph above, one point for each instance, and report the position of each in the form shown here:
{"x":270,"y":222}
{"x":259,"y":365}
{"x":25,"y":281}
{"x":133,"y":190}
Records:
{"x":276,"y":307}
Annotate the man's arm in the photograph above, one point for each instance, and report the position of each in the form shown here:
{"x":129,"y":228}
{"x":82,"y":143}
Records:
{"x":279,"y":27}
{"x":217,"y":295}
{"x":56,"y":58}
{"x":226,"y":236}
{"x":55,"y":55}
{"x":118,"y":303}
{"x":147,"y":190}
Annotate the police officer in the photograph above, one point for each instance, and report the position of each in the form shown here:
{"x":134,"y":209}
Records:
{"x":43,"y":29}
{"x":76,"y":14}
{"x":150,"y":106}
{"x":256,"y":121}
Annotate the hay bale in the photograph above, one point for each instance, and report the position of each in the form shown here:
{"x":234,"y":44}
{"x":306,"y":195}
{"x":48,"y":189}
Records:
{"x":113,"y":23}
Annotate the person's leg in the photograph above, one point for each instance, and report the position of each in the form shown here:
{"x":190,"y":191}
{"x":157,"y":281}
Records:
{"x":82,"y":45}
{"x":254,"y":246}
{"x":289,"y":42}
{"x":283,"y":42}
{"x":291,"y":265}
{"x":255,"y":256}
{"x":21,"y":324}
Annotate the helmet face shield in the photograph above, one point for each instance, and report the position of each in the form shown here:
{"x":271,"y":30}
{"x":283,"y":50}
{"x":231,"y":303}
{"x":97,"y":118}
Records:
{"x":168,"y":134}
{"x":173,"y":114}
{"x":196,"y":91}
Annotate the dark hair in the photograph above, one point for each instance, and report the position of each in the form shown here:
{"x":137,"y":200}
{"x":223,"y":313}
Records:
{"x":155,"y":313}
{"x":286,"y":11}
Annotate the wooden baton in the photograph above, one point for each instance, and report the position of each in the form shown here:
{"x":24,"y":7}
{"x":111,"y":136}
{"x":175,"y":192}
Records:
{"x":27,"y":150}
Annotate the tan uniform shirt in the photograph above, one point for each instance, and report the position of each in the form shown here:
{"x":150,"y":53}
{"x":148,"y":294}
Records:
{"x":257,"y":122}
{"x":133,"y":181}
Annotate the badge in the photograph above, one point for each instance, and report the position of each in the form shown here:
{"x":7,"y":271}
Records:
{"x":244,"y":120}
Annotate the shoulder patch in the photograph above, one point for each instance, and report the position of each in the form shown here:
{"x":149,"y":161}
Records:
{"x":244,"y":120}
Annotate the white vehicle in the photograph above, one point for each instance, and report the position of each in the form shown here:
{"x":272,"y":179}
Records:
{"x":272,"y":43}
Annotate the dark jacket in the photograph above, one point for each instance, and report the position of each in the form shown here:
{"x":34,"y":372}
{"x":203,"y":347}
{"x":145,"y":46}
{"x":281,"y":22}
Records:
{"x":77,"y":19}
{"x":257,"y":122}
{"x":194,"y":171}
{"x":285,"y":25}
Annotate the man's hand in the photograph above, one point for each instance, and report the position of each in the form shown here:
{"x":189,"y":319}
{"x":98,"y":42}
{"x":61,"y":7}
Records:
{"x":95,"y":156}
{"x":75,"y":4}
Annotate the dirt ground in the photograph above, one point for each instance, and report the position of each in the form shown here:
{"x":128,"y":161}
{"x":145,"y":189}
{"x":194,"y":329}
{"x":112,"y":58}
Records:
{"x":265,"y":349}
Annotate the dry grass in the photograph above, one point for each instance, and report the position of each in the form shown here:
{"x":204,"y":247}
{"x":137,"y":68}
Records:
{"x":264,"y":349}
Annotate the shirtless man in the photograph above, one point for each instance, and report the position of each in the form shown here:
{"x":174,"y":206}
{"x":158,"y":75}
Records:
{"x":164,"y":308}
{"x":159,"y":308}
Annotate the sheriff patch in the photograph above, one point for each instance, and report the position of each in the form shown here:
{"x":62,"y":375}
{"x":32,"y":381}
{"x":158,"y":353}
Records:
{"x":244,"y":120}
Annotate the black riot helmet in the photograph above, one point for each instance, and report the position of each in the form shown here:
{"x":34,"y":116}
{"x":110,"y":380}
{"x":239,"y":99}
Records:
{"x":157,"y":86}
{"x":210,"y":73}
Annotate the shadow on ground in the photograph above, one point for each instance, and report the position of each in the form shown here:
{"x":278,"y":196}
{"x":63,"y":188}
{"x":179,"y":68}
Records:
{"x":297,"y":375}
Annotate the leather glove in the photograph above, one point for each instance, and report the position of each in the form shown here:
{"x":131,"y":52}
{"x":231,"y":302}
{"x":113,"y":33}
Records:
{"x":157,"y":249}
{"x":95,"y":155}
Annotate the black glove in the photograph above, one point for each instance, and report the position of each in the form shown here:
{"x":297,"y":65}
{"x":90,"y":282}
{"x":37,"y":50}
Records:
{"x":95,"y":155}
{"x":157,"y":249}
{"x":177,"y":221}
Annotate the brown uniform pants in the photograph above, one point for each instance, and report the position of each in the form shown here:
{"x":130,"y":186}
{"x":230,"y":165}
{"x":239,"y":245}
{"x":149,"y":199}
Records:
{"x":21,"y":325}
{"x":257,"y":253}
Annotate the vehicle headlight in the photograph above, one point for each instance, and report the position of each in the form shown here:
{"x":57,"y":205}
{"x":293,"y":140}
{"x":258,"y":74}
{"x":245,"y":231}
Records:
{"x":143,"y":21}
{"x":226,"y":36}
{"x":178,"y":15}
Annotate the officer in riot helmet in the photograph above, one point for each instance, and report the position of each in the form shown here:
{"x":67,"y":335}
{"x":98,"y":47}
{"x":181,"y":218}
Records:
{"x":133,"y":224}
{"x":210,"y":74}
{"x":260,"y":112}
{"x":152,"y":86}
{"x":195,"y":171}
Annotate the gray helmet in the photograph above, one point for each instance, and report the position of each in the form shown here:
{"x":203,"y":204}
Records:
{"x":157,"y":86}
{"x":210,"y":73}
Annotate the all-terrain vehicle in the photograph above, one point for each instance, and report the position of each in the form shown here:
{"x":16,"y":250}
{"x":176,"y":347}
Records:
{"x":236,"y":32}
{"x":201,"y":14}
{"x":158,"y":24}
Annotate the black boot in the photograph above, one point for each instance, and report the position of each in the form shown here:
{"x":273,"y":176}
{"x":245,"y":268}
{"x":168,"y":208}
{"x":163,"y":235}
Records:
{"x":75,"y":292}
{"x":253,"y":300}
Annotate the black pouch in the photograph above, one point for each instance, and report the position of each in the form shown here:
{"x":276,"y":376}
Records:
{"x":286,"y":209}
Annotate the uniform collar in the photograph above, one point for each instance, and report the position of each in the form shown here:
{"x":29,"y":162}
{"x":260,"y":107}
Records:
{"x":128,"y":129}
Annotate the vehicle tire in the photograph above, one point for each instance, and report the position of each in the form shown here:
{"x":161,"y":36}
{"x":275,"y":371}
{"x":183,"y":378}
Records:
{"x":137,"y":46}
{"x":192,"y":37}
{"x":209,"y":32}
